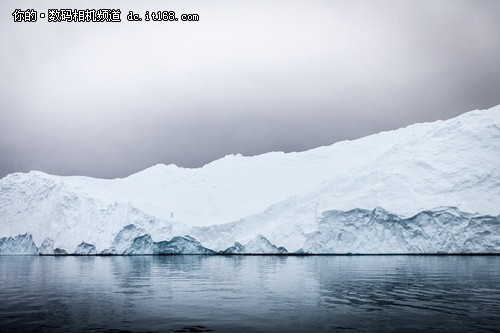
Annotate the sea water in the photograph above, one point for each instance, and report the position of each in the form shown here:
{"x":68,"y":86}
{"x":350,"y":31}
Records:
{"x":250,"y":294}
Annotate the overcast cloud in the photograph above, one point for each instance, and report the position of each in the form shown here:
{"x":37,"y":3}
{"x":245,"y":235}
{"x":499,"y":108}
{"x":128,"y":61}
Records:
{"x":110,"y":99}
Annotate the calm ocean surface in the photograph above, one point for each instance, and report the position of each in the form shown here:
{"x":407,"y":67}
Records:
{"x":250,"y":294}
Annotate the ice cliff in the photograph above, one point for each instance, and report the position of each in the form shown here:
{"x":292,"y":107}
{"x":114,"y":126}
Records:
{"x":441,"y":230}
{"x":318,"y":201}
{"x":19,"y":245}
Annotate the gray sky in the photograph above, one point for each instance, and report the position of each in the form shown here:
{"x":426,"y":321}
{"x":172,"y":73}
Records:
{"x":110,"y":99}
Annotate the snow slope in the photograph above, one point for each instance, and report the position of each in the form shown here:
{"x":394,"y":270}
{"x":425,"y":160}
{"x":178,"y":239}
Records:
{"x":276,"y":195}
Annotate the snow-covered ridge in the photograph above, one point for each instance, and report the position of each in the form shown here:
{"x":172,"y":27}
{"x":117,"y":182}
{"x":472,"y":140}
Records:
{"x":276,"y":195}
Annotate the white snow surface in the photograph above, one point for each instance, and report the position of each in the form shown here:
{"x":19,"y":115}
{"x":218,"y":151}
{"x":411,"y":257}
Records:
{"x":277,"y":195}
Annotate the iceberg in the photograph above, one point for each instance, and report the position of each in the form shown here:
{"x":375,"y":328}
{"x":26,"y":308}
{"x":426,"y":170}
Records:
{"x":324,"y":200}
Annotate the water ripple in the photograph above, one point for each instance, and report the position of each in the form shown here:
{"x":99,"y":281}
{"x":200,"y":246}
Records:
{"x":250,"y":294}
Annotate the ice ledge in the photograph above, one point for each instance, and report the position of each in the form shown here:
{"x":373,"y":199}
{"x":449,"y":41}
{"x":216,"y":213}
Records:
{"x":443,"y":230}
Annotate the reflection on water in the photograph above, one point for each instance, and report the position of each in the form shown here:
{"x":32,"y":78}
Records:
{"x":250,"y":294}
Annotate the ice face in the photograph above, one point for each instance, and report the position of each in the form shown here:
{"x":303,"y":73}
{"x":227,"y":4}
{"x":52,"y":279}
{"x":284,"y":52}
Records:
{"x":60,"y":252}
{"x":85,"y":249}
{"x":124,"y":238}
{"x":181,"y":245}
{"x":47,"y":247}
{"x":258,"y":245}
{"x":177,"y":245}
{"x":141,"y":245}
{"x":237,"y":248}
{"x":441,"y":230}
{"x":376,"y":231}
{"x":18,"y":245}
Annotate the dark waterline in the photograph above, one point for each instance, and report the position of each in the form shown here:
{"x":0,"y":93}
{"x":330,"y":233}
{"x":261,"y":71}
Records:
{"x":250,"y":294}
